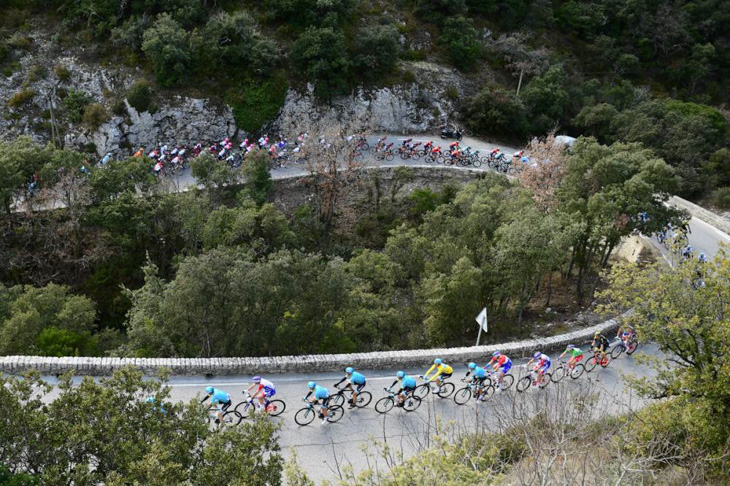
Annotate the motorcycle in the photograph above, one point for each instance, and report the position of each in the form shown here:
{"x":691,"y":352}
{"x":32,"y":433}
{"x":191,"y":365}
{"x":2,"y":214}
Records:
{"x":454,"y":132}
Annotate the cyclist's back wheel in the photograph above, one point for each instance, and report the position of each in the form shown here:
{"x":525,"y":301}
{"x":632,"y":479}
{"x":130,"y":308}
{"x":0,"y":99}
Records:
{"x":524,"y":383}
{"x":577,"y":371}
{"x":275,"y":408}
{"x":558,"y":375}
{"x":363,"y":399}
{"x":632,"y":347}
{"x":404,"y":155}
{"x":440,"y":159}
{"x":462,"y":395}
{"x":487,"y":392}
{"x":304,"y":416}
{"x":477,"y":163}
{"x":384,"y":405}
{"x":411,"y":403}
{"x":422,"y":391}
{"x":617,"y":350}
{"x":591,"y":364}
{"x":389,"y":157}
{"x":446,"y":390}
{"x":335,"y":413}
{"x":231,"y":418}
{"x":364,"y":147}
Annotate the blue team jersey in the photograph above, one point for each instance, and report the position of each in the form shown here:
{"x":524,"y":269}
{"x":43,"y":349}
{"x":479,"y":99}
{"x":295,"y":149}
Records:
{"x":320,"y":392}
{"x":357,"y":378}
{"x":480,"y":373}
{"x":219,"y":396}
{"x":408,"y":382}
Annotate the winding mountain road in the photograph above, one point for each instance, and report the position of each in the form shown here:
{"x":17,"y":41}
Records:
{"x":323,"y":450}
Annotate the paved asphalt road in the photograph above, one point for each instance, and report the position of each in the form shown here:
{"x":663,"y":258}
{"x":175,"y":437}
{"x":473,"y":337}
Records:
{"x":321,"y":449}
{"x":324,"y":449}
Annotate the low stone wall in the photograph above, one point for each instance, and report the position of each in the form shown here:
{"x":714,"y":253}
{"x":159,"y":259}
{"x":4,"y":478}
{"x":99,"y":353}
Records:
{"x":705,"y":215}
{"x":289,"y":364}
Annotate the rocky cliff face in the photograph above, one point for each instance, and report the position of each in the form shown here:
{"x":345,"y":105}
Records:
{"x":417,"y":106}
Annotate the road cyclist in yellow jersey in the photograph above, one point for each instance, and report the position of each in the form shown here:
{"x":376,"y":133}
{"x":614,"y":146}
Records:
{"x":438,"y":373}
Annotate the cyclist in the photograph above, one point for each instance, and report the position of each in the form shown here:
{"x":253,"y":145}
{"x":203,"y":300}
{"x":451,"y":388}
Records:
{"x":218,"y":398}
{"x":355,"y":383}
{"x":576,"y":354}
{"x":499,"y":363}
{"x":542,"y":365}
{"x":319,"y":393}
{"x":406,"y":143}
{"x":441,"y":371}
{"x":600,"y":344}
{"x":264,"y":391}
{"x":627,"y":334}
{"x":478,"y":379}
{"x":407,"y":386}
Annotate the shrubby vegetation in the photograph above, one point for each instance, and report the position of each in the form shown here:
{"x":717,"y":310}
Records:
{"x":205,"y":271}
{"x":106,"y":432}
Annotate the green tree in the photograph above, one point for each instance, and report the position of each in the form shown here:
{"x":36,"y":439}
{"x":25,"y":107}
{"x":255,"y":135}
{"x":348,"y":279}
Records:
{"x":377,"y":48}
{"x":461,"y":41}
{"x":497,"y":112}
{"x":257,"y":173}
{"x":682,"y":309}
{"x":19,"y":160}
{"x":546,"y":99}
{"x":121,"y":439}
{"x":320,"y":55}
{"x":166,"y":46}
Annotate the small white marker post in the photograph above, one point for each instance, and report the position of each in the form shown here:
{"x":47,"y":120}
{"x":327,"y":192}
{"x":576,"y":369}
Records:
{"x":482,"y":321}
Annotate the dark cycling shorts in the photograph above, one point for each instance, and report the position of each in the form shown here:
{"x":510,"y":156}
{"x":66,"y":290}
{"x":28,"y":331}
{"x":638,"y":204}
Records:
{"x":408,"y":389}
{"x":359,"y":387}
{"x":224,"y":406}
{"x":324,"y":401}
{"x":445,"y":375}
{"x":479,"y":381}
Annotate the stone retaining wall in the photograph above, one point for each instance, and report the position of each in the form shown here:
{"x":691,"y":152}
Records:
{"x":289,"y":364}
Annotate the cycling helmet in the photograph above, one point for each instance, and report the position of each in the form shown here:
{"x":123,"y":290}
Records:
{"x":257,"y":379}
{"x":400,"y":374}
{"x":571,"y":346}
{"x":437,"y":361}
{"x":150,"y":400}
{"x":537,"y":354}
{"x":311,"y":384}
{"x":472,"y":366}
{"x":497,"y":354}
{"x":349,"y":370}
{"x":702,"y":258}
{"x":209,"y":390}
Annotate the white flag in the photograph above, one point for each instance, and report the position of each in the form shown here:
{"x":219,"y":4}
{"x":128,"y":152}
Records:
{"x":482,"y":319}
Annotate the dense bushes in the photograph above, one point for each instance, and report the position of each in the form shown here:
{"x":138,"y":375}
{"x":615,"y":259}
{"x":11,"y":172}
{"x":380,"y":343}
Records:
{"x":497,"y":112}
{"x":256,"y":102}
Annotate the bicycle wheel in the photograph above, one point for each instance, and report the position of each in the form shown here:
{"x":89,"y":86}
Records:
{"x":363,"y":399}
{"x":632,"y":347}
{"x":462,"y":395}
{"x":606,"y":360}
{"x":411,"y":403}
{"x":440,"y":160}
{"x":335,"y":413}
{"x":617,"y":350}
{"x":364,"y":147}
{"x":428,"y":159}
{"x":422,"y":391}
{"x":338,"y":399}
{"x":446,"y":390}
{"x":477,"y":163}
{"x":389,"y":157}
{"x":244,"y":409}
{"x":591,"y":364}
{"x":577,"y":371}
{"x":304,"y":416}
{"x":558,"y":375}
{"x":384,"y":405}
{"x":487,"y":392}
{"x":524,"y":383}
{"x":415,"y":156}
{"x":507,"y":381}
{"x":231,"y":418}
{"x":404,"y":155}
{"x":275,"y":408}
